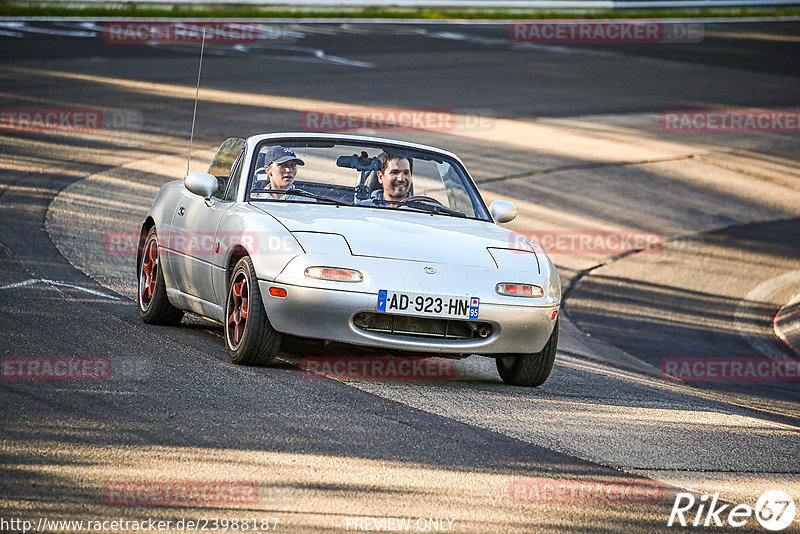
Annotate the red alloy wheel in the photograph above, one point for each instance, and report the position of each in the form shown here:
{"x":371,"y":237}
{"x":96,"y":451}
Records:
{"x":237,"y":309}
{"x":147,"y":283}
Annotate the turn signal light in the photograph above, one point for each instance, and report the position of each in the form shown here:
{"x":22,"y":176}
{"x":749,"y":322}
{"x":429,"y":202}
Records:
{"x":336,"y":274}
{"x":519,"y":290}
{"x":277,"y":292}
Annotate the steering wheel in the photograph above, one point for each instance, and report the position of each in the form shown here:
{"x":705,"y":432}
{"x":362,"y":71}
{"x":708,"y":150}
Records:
{"x":421,"y":197}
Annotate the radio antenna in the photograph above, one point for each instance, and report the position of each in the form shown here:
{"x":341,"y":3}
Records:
{"x":196,"y":94}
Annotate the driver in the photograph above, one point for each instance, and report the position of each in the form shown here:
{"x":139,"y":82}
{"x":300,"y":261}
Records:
{"x":279,"y":172}
{"x":394,"y":177}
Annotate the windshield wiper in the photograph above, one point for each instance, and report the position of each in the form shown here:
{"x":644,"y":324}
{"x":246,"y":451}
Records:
{"x":428,"y":207}
{"x":302,"y":193}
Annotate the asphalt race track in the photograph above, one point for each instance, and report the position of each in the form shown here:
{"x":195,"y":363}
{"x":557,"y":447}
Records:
{"x":573,"y":134}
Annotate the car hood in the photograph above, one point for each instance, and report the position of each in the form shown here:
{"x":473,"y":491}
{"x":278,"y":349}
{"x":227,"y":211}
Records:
{"x":407,"y":235}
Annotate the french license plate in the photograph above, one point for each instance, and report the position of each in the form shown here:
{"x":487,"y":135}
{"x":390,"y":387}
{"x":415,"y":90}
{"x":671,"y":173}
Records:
{"x":449,"y":306}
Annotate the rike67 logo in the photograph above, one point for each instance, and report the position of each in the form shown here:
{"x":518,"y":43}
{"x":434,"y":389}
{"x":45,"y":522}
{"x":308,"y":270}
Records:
{"x":774,"y":510}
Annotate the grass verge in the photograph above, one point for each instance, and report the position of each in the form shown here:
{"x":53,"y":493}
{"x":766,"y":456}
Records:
{"x":247,"y":11}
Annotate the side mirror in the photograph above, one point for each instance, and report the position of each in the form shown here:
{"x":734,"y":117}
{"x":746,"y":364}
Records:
{"x":503,"y":211}
{"x":201,"y":183}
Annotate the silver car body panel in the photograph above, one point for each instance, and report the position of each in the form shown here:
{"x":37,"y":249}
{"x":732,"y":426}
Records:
{"x":191,"y":241}
{"x":397,"y":234}
{"x":325,"y":309}
{"x":193,"y":304}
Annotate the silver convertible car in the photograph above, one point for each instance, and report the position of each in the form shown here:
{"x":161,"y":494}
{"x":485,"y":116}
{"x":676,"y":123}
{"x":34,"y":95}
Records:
{"x":353,"y":239}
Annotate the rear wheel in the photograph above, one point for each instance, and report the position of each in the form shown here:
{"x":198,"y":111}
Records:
{"x":529,"y":369}
{"x":154,"y":306}
{"x":250,"y":337}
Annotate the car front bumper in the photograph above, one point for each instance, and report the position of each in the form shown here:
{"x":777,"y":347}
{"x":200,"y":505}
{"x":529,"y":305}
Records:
{"x":329,"y":314}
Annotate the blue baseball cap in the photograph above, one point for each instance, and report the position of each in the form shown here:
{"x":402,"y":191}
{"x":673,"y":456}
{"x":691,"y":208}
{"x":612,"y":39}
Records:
{"x":280,"y":154}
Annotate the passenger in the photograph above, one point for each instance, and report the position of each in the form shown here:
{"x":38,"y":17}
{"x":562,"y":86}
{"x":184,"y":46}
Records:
{"x":394,"y":177}
{"x":279,"y":172}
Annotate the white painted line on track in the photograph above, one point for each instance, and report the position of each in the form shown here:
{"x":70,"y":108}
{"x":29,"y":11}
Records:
{"x":491,"y":41}
{"x":22,"y":27}
{"x":12,"y":34}
{"x":311,"y":55}
{"x":32,"y":281}
{"x":21,"y":284}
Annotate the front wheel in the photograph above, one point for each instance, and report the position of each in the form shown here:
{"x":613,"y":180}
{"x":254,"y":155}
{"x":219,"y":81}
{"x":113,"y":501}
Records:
{"x":529,"y":369}
{"x":250,"y":337}
{"x":154,"y":306}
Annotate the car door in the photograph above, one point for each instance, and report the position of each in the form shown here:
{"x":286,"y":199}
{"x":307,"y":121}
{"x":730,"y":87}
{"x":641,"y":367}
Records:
{"x":193,"y":240}
{"x":194,"y":226}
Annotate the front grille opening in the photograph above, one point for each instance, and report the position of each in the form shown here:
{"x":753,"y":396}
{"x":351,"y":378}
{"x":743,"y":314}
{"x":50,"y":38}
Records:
{"x":423,"y":327}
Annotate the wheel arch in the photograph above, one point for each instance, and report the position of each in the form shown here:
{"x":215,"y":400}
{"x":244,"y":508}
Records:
{"x":238,"y":252}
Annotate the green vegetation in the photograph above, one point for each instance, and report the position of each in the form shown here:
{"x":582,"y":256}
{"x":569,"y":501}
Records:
{"x":239,"y":11}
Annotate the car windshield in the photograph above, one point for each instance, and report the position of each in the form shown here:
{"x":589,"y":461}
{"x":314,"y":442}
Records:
{"x":368,"y":176}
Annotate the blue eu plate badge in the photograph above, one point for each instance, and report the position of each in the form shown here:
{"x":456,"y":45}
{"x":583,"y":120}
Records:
{"x":474,"y":303}
{"x":382,"y":300}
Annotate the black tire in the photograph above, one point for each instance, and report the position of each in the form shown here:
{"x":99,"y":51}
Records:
{"x":154,"y":306}
{"x":532,"y":369}
{"x":250,"y":338}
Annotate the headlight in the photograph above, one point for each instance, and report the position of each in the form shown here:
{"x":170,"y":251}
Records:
{"x":336,"y":274}
{"x":519,"y":290}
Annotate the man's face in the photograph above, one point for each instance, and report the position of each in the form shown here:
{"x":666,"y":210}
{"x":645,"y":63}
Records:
{"x":281,"y":175}
{"x":396,"y":179}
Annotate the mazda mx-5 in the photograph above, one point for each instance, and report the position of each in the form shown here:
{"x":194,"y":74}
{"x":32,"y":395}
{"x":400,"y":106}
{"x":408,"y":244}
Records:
{"x":353,"y":239}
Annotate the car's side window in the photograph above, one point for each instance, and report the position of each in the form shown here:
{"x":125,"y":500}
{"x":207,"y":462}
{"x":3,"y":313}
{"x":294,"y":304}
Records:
{"x":457,"y":195}
{"x":223,"y":162}
{"x":236,"y":176}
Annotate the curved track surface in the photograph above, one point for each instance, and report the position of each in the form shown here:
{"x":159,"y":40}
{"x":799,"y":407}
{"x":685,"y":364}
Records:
{"x":571,"y":134}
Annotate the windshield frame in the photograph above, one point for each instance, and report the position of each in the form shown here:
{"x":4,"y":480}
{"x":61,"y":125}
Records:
{"x":328,"y":141}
